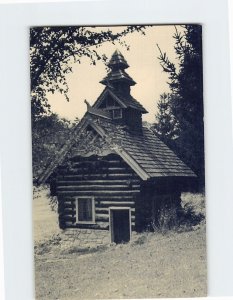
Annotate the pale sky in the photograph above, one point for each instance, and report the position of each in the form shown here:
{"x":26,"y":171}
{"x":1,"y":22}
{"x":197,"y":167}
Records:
{"x":144,"y":68}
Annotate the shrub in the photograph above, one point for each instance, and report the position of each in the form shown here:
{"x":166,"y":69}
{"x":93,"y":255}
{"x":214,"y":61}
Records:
{"x":177,"y":218}
{"x":188,"y":216}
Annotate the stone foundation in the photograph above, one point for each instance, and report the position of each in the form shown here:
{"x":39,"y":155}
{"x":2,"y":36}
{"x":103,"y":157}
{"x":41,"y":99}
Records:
{"x":87,"y":238}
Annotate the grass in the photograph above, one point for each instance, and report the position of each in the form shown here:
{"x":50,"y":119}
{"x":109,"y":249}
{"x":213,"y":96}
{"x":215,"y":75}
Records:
{"x":154,"y":265}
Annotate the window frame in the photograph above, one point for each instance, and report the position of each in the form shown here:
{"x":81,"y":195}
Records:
{"x":113,"y":112}
{"x":93,"y":209}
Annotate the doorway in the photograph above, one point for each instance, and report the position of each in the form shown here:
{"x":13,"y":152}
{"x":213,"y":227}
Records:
{"x":120,"y":225}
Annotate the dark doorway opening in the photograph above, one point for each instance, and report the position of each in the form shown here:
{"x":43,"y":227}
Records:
{"x":120,"y":225}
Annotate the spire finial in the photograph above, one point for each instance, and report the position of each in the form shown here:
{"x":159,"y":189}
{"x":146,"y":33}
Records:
{"x":118,"y":61}
{"x":117,"y":74}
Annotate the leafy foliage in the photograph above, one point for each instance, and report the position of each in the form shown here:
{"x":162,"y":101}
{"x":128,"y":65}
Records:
{"x":54,"y":49}
{"x":183,"y":113}
{"x":48,"y":135}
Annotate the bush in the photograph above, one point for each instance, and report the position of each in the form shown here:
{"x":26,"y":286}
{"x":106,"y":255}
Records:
{"x":188,"y":216}
{"x":181,"y":218}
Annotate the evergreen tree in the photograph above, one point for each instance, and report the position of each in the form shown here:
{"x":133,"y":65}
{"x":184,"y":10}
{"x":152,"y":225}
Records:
{"x":165,"y":126}
{"x":186,"y":101}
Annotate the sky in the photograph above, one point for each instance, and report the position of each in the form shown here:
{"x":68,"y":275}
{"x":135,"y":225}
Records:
{"x":144,"y":68}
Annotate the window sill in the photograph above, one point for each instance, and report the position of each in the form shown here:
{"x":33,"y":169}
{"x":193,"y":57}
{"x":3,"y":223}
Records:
{"x":86,"y":223}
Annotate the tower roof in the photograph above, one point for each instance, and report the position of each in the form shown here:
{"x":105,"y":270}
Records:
{"x":117,"y":75}
{"x":118,"y":61}
{"x":117,"y":64}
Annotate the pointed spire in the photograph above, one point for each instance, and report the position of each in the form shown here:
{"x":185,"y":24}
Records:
{"x":117,"y":64}
{"x":118,"y":61}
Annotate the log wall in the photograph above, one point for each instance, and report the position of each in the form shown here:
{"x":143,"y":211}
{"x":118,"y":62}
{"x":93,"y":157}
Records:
{"x":157,"y":197}
{"x":108,"y":179}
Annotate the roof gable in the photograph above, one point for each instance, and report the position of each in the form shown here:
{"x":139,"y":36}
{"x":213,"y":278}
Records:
{"x":103,"y":96}
{"x":148,"y":156}
{"x":123,"y":100}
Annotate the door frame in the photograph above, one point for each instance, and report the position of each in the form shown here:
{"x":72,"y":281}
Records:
{"x":111,"y":229}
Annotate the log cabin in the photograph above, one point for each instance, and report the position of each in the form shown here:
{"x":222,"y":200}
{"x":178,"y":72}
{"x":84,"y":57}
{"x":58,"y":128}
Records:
{"x":115,"y":175}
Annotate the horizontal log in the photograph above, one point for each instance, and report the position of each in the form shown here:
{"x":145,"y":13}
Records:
{"x":102,"y":217}
{"x":105,"y":218}
{"x":99,"y":212}
{"x":72,"y":206}
{"x":103,"y":163}
{"x":67,"y":201}
{"x":99,"y":199}
{"x":100,"y":174}
{"x":63,"y":198}
{"x":116,"y":203}
{"x":73,"y":176}
{"x":95,"y":193}
{"x":97,"y":182}
{"x":69,"y":224}
{"x":98,"y":218}
{"x":119,"y":197}
{"x":69,"y":211}
{"x":97,"y":187}
{"x":71,"y":203}
{"x":67,"y":204}
{"x":106,"y":210}
{"x":99,"y":170}
{"x":67,"y":218}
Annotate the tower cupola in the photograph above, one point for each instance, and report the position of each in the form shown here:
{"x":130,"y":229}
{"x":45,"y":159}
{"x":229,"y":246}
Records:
{"x":117,"y":78}
{"x":116,"y":101}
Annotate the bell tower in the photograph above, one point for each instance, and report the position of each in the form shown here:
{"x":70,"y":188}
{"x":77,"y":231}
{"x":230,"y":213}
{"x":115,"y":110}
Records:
{"x":117,"y":78}
{"x":116,"y":99}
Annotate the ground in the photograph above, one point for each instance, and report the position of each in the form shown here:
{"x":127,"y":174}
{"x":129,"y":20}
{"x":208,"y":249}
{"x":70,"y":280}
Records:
{"x":171,"y":264}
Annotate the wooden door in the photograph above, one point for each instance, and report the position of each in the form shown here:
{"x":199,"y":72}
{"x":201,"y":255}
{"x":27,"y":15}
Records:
{"x":120,"y":222}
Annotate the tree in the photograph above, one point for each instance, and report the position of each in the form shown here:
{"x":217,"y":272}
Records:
{"x":48,"y":135}
{"x":165,"y":126}
{"x":186,"y":101}
{"x":54,"y":49}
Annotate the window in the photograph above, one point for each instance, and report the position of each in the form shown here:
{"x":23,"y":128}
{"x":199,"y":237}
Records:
{"x":85,"y":210}
{"x":117,"y":113}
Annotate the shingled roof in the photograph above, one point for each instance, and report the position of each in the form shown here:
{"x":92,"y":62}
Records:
{"x":145,"y":153}
{"x":149,"y":152}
